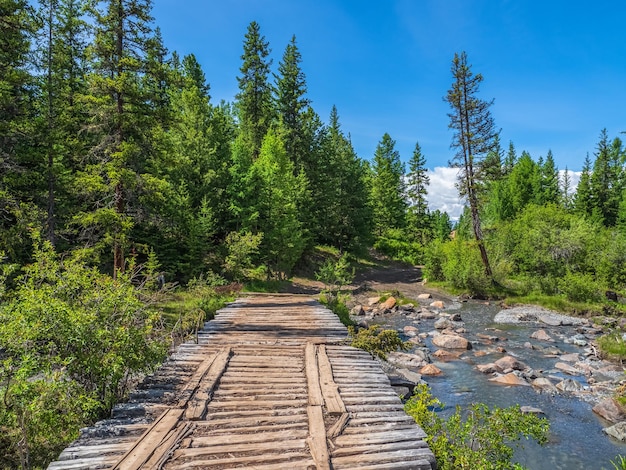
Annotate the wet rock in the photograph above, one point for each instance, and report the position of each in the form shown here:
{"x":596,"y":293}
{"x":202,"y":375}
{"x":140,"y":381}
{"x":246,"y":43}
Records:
{"x":404,"y":360}
{"x":490,"y":338}
{"x":460,"y":331}
{"x":617,"y":431}
{"x":567,"y":368}
{"x":528,"y":345}
{"x":480,"y":353}
{"x":541,"y":335}
{"x":570,"y":385}
{"x":410,"y":330}
{"x":509,"y":379}
{"x":437,"y":304}
{"x":424,"y":297}
{"x":573,"y":357}
{"x":406,"y":308}
{"x":610,"y":410}
{"x":490,"y":368}
{"x":509,"y":363}
{"x":456,"y":317}
{"x":373,"y":301}
{"x":430,"y":369}
{"x":544,"y":384}
{"x":415,"y":340}
{"x":578,"y":340}
{"x":426,"y":315}
{"x":451,"y":342}
{"x":531,"y":410}
{"x":443,"y":355}
{"x":443,"y":323}
{"x":410,"y":375}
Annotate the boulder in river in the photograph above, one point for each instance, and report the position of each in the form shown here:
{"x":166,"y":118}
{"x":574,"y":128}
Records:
{"x":451,"y":342}
{"x":424,"y":296}
{"x":443,"y":323}
{"x":541,"y":335}
{"x":531,"y":410}
{"x":509,"y":363}
{"x":610,"y":410}
{"x":618,"y":431}
{"x":545,"y":385}
{"x":389,"y":303}
{"x":430,"y":369}
{"x":489,"y":368}
{"x":426,"y":315}
{"x":570,"y":385}
{"x":357,"y":310}
{"x":568,"y":369}
{"x":443,"y":355}
{"x":437,"y":304}
{"x":509,"y":379}
{"x":537,"y":315}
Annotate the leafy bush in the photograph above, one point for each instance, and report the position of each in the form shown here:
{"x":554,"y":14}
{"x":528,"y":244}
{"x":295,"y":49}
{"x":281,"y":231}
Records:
{"x":479,"y":438}
{"x":72,"y":339}
{"x":335,"y":275}
{"x":434,"y":258}
{"x":579,"y":287}
{"x":613,"y":345}
{"x":463,"y":267}
{"x":338,"y":307}
{"x":377,"y":341}
{"x":394,"y":243}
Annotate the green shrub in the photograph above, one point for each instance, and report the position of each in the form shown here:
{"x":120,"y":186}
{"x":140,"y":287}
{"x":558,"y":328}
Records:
{"x":579,"y":287}
{"x":613,"y":345}
{"x":395,"y":245}
{"x":434,"y":258}
{"x":377,"y":341}
{"x":463,"y":267}
{"x":338,"y":307}
{"x":478,"y":438}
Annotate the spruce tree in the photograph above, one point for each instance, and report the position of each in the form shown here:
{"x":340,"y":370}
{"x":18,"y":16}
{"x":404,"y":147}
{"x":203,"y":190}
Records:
{"x":474,"y":134}
{"x":417,"y":189}
{"x":549,"y":181}
{"x":388,"y":188}
{"x":254,"y":100}
{"x":582,"y":199}
{"x":121,"y":124}
{"x":566,"y":190}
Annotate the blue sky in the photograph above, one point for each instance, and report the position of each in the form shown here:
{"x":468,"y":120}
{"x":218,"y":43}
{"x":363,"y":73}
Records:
{"x":556,"y":69}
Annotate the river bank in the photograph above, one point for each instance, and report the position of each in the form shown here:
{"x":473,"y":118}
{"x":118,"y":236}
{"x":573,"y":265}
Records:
{"x":477,"y":352}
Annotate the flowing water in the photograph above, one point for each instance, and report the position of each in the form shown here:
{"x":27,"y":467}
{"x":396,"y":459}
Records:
{"x":576,"y":437}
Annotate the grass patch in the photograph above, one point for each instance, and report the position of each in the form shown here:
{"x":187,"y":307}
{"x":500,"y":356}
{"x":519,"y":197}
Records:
{"x":339,"y":308}
{"x":268,"y":286}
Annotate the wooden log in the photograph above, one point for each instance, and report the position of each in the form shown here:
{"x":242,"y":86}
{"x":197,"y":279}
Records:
{"x":317,"y":438}
{"x":330,"y":390}
{"x":196,"y":407}
{"x":312,"y":375}
{"x":337,"y":428}
{"x":143,"y":449}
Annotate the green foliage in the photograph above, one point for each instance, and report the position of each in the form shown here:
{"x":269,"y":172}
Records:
{"x":478,"y":438}
{"x":613,"y":345}
{"x":335,"y":275}
{"x":619,"y":463}
{"x":337,"y":305}
{"x":241,"y":247}
{"x":395,"y":244}
{"x":580,"y":287}
{"x":72,"y":339}
{"x":376,"y":340}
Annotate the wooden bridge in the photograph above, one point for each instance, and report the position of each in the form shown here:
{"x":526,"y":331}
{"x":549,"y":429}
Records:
{"x":269,"y":385}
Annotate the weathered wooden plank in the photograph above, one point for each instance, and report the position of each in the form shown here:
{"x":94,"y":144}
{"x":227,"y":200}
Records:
{"x":95,"y":463}
{"x":164,"y":450}
{"x":330,"y":390}
{"x":317,"y":438}
{"x":196,"y":407}
{"x":337,"y":428}
{"x":419,"y":448}
{"x":312,"y":375}
{"x":386,"y":437}
{"x":97,"y":450}
{"x":248,"y":438}
{"x":258,"y":448}
{"x":353,"y":461}
{"x":284,"y":460}
{"x":418,"y":464}
{"x":143,"y":449}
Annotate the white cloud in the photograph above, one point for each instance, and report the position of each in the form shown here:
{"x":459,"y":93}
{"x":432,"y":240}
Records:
{"x":442,"y":192}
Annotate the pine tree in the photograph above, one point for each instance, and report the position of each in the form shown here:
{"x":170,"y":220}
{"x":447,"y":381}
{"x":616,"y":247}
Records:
{"x":549,"y":181}
{"x":566,"y":190}
{"x":417,"y":189}
{"x":388,"y":203}
{"x":474,"y":134}
{"x":121,"y":123}
{"x":605,"y":184}
{"x":254,"y":100}
{"x":291,"y":103}
{"x":582,"y":199}
{"x":510,"y":159}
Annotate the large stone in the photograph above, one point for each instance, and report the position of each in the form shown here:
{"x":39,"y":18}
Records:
{"x":410,"y":330}
{"x":443,"y":323}
{"x":544,"y":384}
{"x":451,"y":342}
{"x":509,"y":379}
{"x":412,"y":361}
{"x":437,"y":304}
{"x":388,"y":304}
{"x":531,"y":410}
{"x":373,"y":301}
{"x":357,"y":311}
{"x":610,"y":410}
{"x":426,"y":315}
{"x":443,"y":355}
{"x":430,"y":369}
{"x":424,"y":297}
{"x":573,"y":357}
{"x":489,"y":368}
{"x":567,"y":368}
{"x":509,"y":363}
{"x":570,"y":385}
{"x":617,"y":431}
{"x":541,"y":335}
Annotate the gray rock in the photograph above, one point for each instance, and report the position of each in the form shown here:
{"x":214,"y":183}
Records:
{"x":569,"y":385}
{"x":610,"y":410}
{"x":537,"y":315}
{"x":618,"y":431}
{"x":532,"y":410}
{"x":545,"y":385}
{"x":443,"y":323}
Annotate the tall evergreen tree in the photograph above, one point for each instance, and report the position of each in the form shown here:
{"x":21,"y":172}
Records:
{"x":549,"y":181}
{"x":582,"y":199}
{"x":566,"y":190}
{"x":121,"y":123}
{"x":388,"y":188}
{"x":417,"y":189}
{"x":510,"y":159}
{"x":291,"y":103}
{"x":254,"y":100}
{"x":605,"y":181}
{"x":474,"y":134}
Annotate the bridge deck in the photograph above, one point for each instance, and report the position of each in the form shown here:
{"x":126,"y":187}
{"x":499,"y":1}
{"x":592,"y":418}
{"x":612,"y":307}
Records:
{"x":268,"y":386}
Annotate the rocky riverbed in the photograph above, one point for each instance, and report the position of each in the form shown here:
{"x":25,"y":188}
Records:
{"x":553,"y":355}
